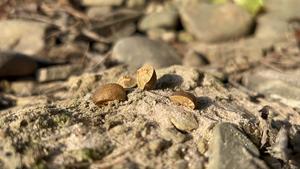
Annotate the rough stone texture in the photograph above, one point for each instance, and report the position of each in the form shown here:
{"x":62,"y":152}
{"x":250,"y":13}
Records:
{"x":214,"y":23}
{"x":233,"y":57}
{"x":271,"y":27}
{"x":231,"y":149}
{"x":184,"y":121}
{"x":102,"y":2}
{"x":137,"y":132}
{"x":56,"y":72}
{"x":285,"y":9}
{"x":164,"y":19}
{"x":161,"y":34}
{"x":135,"y":3}
{"x":22,"y":88}
{"x":14,"y":64}
{"x":136,"y":51}
{"x":194,"y":59}
{"x":28,"y":40}
{"x":280,"y":86}
{"x":98,"y":11}
{"x":181,"y":77}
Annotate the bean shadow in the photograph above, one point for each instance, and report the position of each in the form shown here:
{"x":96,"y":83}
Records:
{"x":203,"y":102}
{"x":169,"y":81}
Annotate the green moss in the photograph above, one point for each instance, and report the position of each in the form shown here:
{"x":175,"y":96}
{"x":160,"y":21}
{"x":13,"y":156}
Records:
{"x":61,"y":119}
{"x":40,"y":165}
{"x":252,"y":6}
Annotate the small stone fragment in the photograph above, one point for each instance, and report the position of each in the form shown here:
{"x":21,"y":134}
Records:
{"x":164,"y":19}
{"x":56,"y":73}
{"x":158,"y":145}
{"x":146,"y":77}
{"x":109,"y":92}
{"x":215,"y":23}
{"x":201,"y":145}
{"x":184,"y":121}
{"x":127,"y":82}
{"x":230,"y":148}
{"x":173,"y":135}
{"x":101,"y":2}
{"x":22,"y":88}
{"x":280,"y":149}
{"x":22,"y":36}
{"x":184,"y":98}
{"x":135,"y":51}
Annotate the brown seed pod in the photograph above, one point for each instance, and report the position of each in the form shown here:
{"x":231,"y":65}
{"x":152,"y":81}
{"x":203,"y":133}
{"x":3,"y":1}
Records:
{"x":184,"y":98}
{"x":127,"y":82}
{"x":108,"y":92}
{"x":146,"y":77}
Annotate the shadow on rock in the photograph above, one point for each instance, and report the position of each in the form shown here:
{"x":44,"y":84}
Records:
{"x":203,"y":102}
{"x":169,"y":81}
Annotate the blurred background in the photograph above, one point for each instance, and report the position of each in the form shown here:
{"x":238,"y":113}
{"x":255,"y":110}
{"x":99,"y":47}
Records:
{"x":50,"y":47}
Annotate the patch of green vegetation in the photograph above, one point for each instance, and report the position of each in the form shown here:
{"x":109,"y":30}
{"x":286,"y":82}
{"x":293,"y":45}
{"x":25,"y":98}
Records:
{"x":252,"y":6}
{"x":61,"y":119}
{"x":86,"y":154}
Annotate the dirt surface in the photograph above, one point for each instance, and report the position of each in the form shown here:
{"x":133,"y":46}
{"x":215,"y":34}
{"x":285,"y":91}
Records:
{"x":48,"y":118}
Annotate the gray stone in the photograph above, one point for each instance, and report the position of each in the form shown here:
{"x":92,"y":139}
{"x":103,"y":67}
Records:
{"x":181,"y":164}
{"x":102,"y":2}
{"x":165,"y":19}
{"x":98,"y":11}
{"x":135,"y":3}
{"x":231,"y":149}
{"x":136,"y":51}
{"x":22,"y":88}
{"x":158,"y":145}
{"x":280,"y":86}
{"x":56,"y":72}
{"x":22,"y":36}
{"x":214,"y":23}
{"x":176,"y":76}
{"x":13,"y":160}
{"x":271,"y":27}
{"x":184,"y":121}
{"x":286,"y":9}
{"x":194,"y":59}
{"x":162,"y":34}
{"x":14,"y":64}
{"x":173,"y":135}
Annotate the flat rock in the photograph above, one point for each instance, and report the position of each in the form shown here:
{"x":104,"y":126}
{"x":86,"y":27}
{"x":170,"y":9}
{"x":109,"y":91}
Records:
{"x":60,"y":72}
{"x":28,"y":40}
{"x":136,"y":51}
{"x":214,"y":23}
{"x":176,"y":76}
{"x":231,"y":149}
{"x":135,"y":3}
{"x":14,"y":64}
{"x":288,"y":9}
{"x":101,"y":2}
{"x":165,"y":19}
{"x":271,"y":27}
{"x":280,"y":86}
{"x":184,"y":121}
{"x":22,"y":88}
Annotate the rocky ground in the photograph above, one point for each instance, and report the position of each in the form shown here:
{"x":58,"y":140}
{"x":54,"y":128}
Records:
{"x":243,"y":68}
